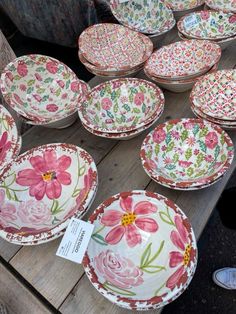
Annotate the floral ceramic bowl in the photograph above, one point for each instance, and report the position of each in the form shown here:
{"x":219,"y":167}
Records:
{"x":183,"y":59}
{"x":184,"y":5}
{"x":121,"y":105}
{"x":215,"y":95}
{"x":41,"y":88}
{"x":144,"y":16}
{"x":10,"y":141}
{"x":222,"y":5}
{"x":186,"y":153}
{"x":143,"y":253}
{"x":210,"y":25}
{"x":42,"y":189}
{"x":114,"y":47}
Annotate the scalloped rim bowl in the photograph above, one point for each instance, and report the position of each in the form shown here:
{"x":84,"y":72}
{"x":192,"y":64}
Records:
{"x":126,"y":259}
{"x":225,"y":5}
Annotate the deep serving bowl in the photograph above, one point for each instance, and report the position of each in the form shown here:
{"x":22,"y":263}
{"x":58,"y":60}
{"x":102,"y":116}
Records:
{"x":185,"y":153}
{"x":211,"y":25}
{"x":142,"y":254}
{"x":121,"y":105}
{"x":41,"y":88}
{"x":114,"y":47}
{"x":144,"y":16}
{"x":222,"y":5}
{"x":183,"y":59}
{"x":42,"y":189}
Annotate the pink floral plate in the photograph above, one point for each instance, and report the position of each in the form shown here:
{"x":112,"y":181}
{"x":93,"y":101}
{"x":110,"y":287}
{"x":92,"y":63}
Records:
{"x":208,"y":25}
{"x":148,"y":17}
{"x":185,"y":153}
{"x":10,"y":141}
{"x":114,"y":47}
{"x":43,"y":188}
{"x":183,"y":59}
{"x":183,"y":5}
{"x":222,"y":5}
{"x":215,"y":95}
{"x":143,"y":253}
{"x":41,"y":88}
{"x":121,"y":105}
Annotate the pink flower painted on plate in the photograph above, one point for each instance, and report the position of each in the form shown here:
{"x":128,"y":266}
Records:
{"x":209,"y":158}
{"x":22,"y":69}
{"x":211,"y":140}
{"x":232,"y":18}
{"x":5,"y":145}
{"x":47,"y":176}
{"x":74,"y":86}
{"x":175,"y":135}
{"x":191,"y":140}
{"x":181,"y":258}
{"x":38,"y":76}
{"x":106,"y":104}
{"x":61,"y":83}
{"x":128,"y":222}
{"x":118,"y":270}
{"x":23,"y":87}
{"x":139,"y":99}
{"x":33,"y":212}
{"x":221,"y":29}
{"x":205,"y":15}
{"x":7,"y":211}
{"x":159,"y":136}
{"x":52,"y":67}
{"x":88,"y":180}
{"x":37,"y":97}
{"x":52,"y":107}
{"x":184,"y":163}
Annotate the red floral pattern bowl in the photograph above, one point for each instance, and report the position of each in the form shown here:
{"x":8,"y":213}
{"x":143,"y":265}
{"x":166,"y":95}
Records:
{"x":222,"y":5}
{"x":142,"y":254}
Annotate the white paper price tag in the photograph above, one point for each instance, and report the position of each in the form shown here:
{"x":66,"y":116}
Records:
{"x":75,"y":240}
{"x":190,"y":21}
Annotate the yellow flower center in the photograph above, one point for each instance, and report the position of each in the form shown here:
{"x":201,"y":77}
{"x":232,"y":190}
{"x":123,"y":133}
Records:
{"x":186,"y":256}
{"x":128,"y":219}
{"x":48,"y":176}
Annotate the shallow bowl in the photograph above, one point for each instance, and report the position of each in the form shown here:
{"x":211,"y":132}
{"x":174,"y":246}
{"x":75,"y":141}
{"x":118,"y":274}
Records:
{"x":222,"y":5}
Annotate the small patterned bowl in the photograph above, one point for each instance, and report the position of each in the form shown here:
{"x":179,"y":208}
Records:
{"x":186,"y":153}
{"x":142,"y":254}
{"x":222,"y":5}
{"x":184,"y":5}
{"x":121,"y":105}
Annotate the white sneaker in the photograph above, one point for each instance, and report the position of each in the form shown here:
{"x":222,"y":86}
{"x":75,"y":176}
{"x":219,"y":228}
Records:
{"x":225,"y":278}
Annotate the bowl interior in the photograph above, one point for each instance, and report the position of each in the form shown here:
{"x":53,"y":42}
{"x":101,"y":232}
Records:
{"x":132,"y":251}
{"x":222,"y":5}
{"x":121,"y":105}
{"x":40,"y":87}
{"x":183,"y":5}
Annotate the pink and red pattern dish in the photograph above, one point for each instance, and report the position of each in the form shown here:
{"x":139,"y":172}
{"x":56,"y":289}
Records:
{"x":222,"y":5}
{"x":42,"y":189}
{"x":184,"y":5}
{"x":140,"y":239}
{"x":187,"y":154}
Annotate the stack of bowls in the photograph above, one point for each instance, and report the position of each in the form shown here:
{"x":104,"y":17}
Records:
{"x":42,"y":90}
{"x":181,"y":8}
{"x":143,"y":252}
{"x":113,"y":50}
{"x":177,"y":66}
{"x":152,"y":18}
{"x":187,"y":154}
{"x":121,"y":108}
{"x":42,"y":189}
{"x":211,"y":25}
{"x":214,"y":98}
{"x":222,"y":5}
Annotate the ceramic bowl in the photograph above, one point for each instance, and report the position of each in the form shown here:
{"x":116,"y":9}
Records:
{"x":132,"y":256}
{"x":114,"y":47}
{"x":121,"y":105}
{"x":185,"y":153}
{"x":215,"y":95}
{"x":183,"y":5}
{"x":43,"y":188}
{"x":143,"y":16}
{"x":211,"y":25}
{"x":41,"y":88}
{"x":183,"y":59}
{"x":10,"y":140}
{"x":222,"y":5}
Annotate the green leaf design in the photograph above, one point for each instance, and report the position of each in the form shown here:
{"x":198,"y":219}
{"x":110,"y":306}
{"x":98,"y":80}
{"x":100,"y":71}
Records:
{"x":17,"y":77}
{"x":40,"y":90}
{"x":127,"y":107}
{"x":76,"y":192}
{"x":196,"y":129}
{"x":157,"y":149}
{"x":222,"y":139}
{"x":184,"y":135}
{"x":115,"y":109}
{"x":190,"y":171}
{"x":102,"y":92}
{"x":168,"y":138}
{"x":55,"y":208}
{"x":82,"y":171}
{"x":166,"y":216}
{"x":157,"y":253}
{"x":170,"y":167}
{"x":136,"y":110}
{"x":42,"y":69}
{"x":188,"y":153}
{"x":30,"y":82}
{"x":142,"y":89}
{"x":200,"y":158}
{"x":99,"y":239}
{"x":29,"y":90}
{"x":118,"y":93}
{"x":58,"y":92}
{"x":118,"y":290}
{"x":223,"y":158}
{"x":145,"y":256}
{"x":202,"y":146}
{"x":113,"y":95}
{"x":110,"y":115}
{"x":169,"y":126}
{"x":67,"y":84}
{"x":153,"y":269}
{"x":175,"y":158}
{"x":170,"y":147}
{"x":144,"y":108}
{"x":48,"y":80}
{"x":217,"y":151}
{"x":203,"y":132}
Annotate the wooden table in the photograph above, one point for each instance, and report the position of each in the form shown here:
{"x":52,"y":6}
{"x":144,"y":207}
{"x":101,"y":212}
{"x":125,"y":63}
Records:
{"x":33,"y":279}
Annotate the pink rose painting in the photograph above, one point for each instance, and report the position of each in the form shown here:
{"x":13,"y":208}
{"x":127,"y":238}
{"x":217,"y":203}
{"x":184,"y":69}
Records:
{"x":129,"y":221}
{"x":22,"y":69}
{"x":159,"y":136}
{"x":52,"y":67}
{"x":139,"y":99}
{"x":5,"y":145}
{"x":7,"y":211}
{"x":52,"y":107}
{"x":211,"y":140}
{"x":47,"y":176}
{"x":117,"y":270}
{"x":74,"y":86}
{"x":106,"y":104}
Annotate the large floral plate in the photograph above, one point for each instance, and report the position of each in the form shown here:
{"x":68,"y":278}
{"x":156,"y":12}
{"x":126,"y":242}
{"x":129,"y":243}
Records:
{"x":208,"y":25}
{"x":183,"y":5}
{"x":183,"y":59}
{"x":143,"y":252}
{"x":215,"y":95}
{"x":186,"y":153}
{"x":121,"y":105}
{"x":144,"y":16}
{"x":10,"y":141}
{"x":43,"y":188}
{"x":222,"y":5}
{"x":41,"y":88}
{"x":114,"y":47}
